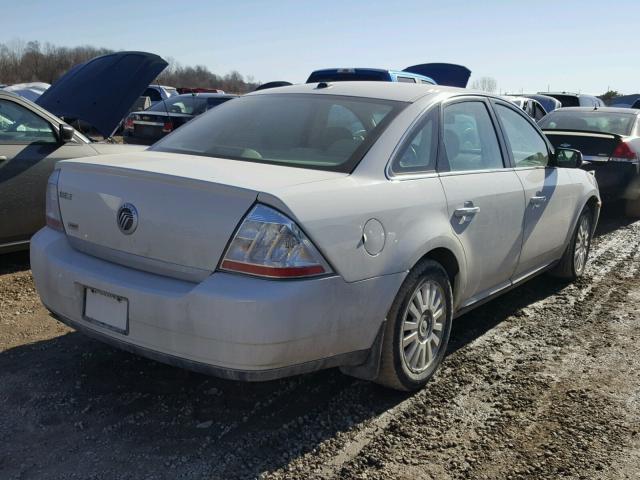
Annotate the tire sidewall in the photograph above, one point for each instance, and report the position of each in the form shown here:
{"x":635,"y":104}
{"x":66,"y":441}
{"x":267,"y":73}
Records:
{"x":585,"y":213}
{"x":428,"y":271}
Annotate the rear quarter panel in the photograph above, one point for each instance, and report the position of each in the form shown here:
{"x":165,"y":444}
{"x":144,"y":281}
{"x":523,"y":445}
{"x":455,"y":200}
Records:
{"x":333,"y":214}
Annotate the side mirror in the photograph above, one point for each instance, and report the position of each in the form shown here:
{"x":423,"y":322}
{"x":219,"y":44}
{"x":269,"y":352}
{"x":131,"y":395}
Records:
{"x":568,"y":158}
{"x":66,"y":133}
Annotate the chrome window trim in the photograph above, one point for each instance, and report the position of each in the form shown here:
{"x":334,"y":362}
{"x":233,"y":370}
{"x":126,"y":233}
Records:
{"x":471,"y":172}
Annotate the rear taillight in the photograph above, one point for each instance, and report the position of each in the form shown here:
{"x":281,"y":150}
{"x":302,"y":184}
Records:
{"x":128,"y":124}
{"x":269,"y":244}
{"x":623,"y":152}
{"x":167,"y":127}
{"x":52,"y":208}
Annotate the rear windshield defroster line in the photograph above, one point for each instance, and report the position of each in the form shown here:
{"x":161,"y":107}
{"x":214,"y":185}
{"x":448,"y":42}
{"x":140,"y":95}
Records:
{"x":315,"y":131}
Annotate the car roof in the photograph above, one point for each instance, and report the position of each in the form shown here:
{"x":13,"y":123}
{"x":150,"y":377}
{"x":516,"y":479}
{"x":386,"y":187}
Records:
{"x":628,"y":111}
{"x":398,"y":91}
{"x":206,"y":95}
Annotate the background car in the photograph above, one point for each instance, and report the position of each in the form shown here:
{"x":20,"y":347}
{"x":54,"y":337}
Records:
{"x":157,"y":93}
{"x":308,"y":227}
{"x":568,"y":99}
{"x":427,"y":73}
{"x":609,"y":139}
{"x":548,"y":103}
{"x":148,"y":126}
{"x":533,"y":108}
{"x":32,"y":140}
{"x":366,"y":74}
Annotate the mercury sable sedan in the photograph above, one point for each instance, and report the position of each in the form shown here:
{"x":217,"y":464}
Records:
{"x":313,"y":226}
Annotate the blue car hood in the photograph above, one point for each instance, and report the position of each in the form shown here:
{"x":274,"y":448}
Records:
{"x":443,"y":73}
{"x":102,"y":90}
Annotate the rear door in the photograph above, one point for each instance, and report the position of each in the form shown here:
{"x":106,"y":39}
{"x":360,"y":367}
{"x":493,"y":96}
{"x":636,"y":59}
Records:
{"x":485,"y":198}
{"x":29,"y":149}
{"x":550,"y":193}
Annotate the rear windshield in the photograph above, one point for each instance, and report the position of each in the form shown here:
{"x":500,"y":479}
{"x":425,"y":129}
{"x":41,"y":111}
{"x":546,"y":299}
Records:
{"x":566,"y":100}
{"x":327,"y":132}
{"x":589,"y":120}
{"x":349,"y":75}
{"x":191,"y":105}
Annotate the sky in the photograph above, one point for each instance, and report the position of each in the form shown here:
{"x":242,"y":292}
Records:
{"x":581,"y":46}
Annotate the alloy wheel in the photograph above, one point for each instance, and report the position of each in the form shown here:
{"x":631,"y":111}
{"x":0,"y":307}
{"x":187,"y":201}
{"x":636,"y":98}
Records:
{"x":423,"y":326}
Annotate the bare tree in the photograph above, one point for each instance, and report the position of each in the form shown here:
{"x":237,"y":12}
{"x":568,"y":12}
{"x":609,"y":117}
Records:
{"x":486,"y":84}
{"x":30,"y":62}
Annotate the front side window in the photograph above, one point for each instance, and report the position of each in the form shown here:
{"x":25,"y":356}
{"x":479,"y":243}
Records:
{"x":419,"y":153}
{"x":470,"y":140}
{"x":527,"y":146}
{"x":19,"y":125}
{"x":321,"y":131}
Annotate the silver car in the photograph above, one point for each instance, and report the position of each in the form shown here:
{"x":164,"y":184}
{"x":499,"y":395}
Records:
{"x":313,"y":226}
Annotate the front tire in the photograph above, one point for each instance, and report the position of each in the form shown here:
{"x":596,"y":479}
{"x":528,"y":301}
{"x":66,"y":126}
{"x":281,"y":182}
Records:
{"x":417,"y":328}
{"x":574,"y":260}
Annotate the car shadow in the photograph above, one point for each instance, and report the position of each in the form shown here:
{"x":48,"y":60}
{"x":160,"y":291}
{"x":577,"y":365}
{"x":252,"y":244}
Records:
{"x":14,"y":262}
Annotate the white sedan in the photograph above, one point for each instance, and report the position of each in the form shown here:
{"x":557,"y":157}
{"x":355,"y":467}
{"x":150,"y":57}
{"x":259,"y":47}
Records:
{"x":313,"y":226}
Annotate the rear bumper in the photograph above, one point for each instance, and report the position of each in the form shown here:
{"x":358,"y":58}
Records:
{"x":616,"y":180}
{"x":231,"y":326}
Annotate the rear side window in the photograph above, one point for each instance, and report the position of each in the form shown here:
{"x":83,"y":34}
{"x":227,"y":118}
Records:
{"x":419,"y":153}
{"x":470,"y":140}
{"x":527,"y":146}
{"x":406,"y":80}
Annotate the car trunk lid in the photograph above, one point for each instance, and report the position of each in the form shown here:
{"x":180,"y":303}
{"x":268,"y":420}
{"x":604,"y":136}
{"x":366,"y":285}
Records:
{"x":187,"y":207}
{"x":595,"y":146}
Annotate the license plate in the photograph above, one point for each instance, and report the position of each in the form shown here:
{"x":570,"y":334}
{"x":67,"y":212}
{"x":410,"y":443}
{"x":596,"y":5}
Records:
{"x":106,"y":309}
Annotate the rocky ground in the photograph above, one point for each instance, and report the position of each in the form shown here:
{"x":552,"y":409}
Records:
{"x":543,"y":382}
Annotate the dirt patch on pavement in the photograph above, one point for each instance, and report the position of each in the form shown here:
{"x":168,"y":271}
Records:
{"x":543,"y":382}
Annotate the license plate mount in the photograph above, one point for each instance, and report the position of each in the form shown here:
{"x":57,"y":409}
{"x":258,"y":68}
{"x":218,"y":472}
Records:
{"x":106,"y":310}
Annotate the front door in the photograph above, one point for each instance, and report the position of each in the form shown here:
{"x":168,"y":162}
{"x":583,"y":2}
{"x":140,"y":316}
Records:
{"x":550,"y":192}
{"x":485,"y":199}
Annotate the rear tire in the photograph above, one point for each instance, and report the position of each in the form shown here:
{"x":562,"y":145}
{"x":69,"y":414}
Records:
{"x":417,"y":328}
{"x":574,"y":260}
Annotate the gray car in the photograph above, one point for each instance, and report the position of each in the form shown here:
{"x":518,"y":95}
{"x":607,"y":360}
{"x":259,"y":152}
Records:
{"x":32,"y":140}
{"x":313,"y":226}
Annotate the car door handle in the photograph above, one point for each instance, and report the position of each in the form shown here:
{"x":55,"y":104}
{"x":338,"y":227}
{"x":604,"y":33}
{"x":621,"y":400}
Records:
{"x":466,"y":211}
{"x":538,"y":200}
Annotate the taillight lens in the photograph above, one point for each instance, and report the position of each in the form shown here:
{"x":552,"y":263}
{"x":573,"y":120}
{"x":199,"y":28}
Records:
{"x":269,"y":244}
{"x":54,"y":219}
{"x":167,"y":127}
{"x":624,"y":152}
{"x":128,"y":123}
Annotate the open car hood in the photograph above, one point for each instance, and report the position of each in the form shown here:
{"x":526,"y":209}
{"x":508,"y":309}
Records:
{"x":446,"y":74}
{"x":102,"y":90}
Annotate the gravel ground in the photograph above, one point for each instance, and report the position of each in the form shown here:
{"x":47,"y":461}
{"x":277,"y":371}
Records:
{"x":543,"y":382}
